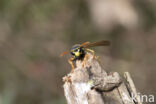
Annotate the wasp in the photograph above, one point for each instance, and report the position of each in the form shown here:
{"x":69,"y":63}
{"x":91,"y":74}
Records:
{"x":78,"y":51}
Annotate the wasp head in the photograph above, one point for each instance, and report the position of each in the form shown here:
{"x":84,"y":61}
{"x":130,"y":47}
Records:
{"x":77,"y":51}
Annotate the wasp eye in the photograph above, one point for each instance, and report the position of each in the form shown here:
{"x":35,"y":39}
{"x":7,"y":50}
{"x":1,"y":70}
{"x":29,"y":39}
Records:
{"x":76,"y":50}
{"x":72,"y":53}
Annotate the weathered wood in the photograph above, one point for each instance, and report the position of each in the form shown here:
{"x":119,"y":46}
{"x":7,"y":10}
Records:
{"x":90,"y":84}
{"x":131,"y":87}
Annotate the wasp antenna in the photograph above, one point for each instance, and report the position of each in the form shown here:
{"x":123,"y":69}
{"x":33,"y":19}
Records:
{"x":64,"y":53}
{"x":61,"y":55}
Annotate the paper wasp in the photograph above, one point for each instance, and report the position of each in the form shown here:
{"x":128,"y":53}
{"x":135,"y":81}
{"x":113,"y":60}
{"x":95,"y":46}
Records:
{"x":78,"y":51}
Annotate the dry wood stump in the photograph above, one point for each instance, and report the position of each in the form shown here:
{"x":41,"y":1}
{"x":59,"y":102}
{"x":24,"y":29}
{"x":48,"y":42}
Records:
{"x":90,"y":84}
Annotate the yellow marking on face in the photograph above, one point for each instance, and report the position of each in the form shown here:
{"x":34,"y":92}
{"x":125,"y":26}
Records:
{"x":77,"y":53}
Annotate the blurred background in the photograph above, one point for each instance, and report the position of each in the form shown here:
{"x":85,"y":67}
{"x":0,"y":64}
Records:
{"x":33,"y":34}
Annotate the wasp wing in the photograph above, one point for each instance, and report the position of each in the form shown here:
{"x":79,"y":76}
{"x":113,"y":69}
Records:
{"x":100,"y":43}
{"x":84,"y":44}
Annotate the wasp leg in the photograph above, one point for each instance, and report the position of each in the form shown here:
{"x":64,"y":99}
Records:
{"x":98,"y":59}
{"x":71,"y":63}
{"x":84,"y":60}
{"x":91,"y":51}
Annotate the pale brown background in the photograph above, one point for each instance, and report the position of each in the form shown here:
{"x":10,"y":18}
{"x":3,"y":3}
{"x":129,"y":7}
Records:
{"x":33,"y":33}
